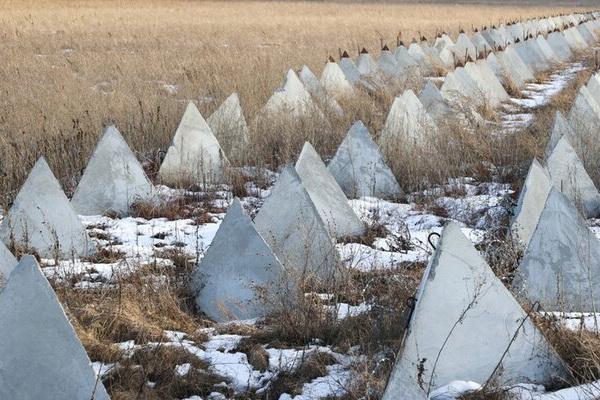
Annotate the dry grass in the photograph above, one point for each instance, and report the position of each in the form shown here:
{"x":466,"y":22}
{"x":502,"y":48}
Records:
{"x":69,"y":66}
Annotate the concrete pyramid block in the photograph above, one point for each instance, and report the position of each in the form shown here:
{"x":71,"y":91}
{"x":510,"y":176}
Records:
{"x":42,"y":220}
{"x":404,"y":59}
{"x":514,"y":67}
{"x":350,"y":71}
{"x":195,"y":154}
{"x":531,"y":202}
{"x":327,"y":196}
{"x":546,"y":50}
{"x":230,"y":128}
{"x":586,"y":34}
{"x":239,"y":273}
{"x":359,"y":168}
{"x":442,"y":42}
{"x":494,"y":64}
{"x":42,"y":358}
{"x":389,"y":65}
{"x":516,"y":31}
{"x":417,"y":52}
{"x":113,"y":179}
{"x":7,"y":263}
{"x":447,"y":58}
{"x":574,"y":39}
{"x":493,"y":37}
{"x":291,"y":225}
{"x":467,"y":326}
{"x":365,"y":64}
{"x":434,"y":103}
{"x":561,"y":267}
{"x":593,"y":87}
{"x":406,"y":120}
{"x":529,"y":53}
{"x":480,"y":43}
{"x":464,"y":48}
{"x":292,"y":99}
{"x":584,"y":118}
{"x":559,"y":45}
{"x":487,"y":82}
{"x":335,"y":82}
{"x":560,"y":128}
{"x":460,"y":89}
{"x":318,"y":92}
{"x":570,"y":177}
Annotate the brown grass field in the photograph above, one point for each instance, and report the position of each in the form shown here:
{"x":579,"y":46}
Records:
{"x":69,"y":66}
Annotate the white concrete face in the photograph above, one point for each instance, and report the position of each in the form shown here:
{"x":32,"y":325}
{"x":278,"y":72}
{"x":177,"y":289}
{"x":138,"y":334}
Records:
{"x":561,"y":266}
{"x":388,"y":65}
{"x":404,"y":59}
{"x":239,"y":276}
{"x":560,"y":128}
{"x":514,"y":65}
{"x":465,"y":323}
{"x":487,"y":82}
{"x":443,"y":42}
{"x":434,"y":103}
{"x":593,"y":87}
{"x":334,"y":81}
{"x":418,"y":54}
{"x":113,"y":179}
{"x":359,"y":168}
{"x":7,"y":263}
{"x":464,"y":47}
{"x":365,"y":64}
{"x":480,"y":43}
{"x":531,"y":56}
{"x":293,"y":228}
{"x":586,"y":34}
{"x":229,"y":127}
{"x":570,"y":177}
{"x":318,"y":92}
{"x":350,"y":71}
{"x":583,"y":118}
{"x":292,"y":99}
{"x":447,"y":58}
{"x":574,"y":39}
{"x":195,"y":154}
{"x":559,"y":45}
{"x":42,"y":358}
{"x":547,"y":50}
{"x":42,"y":220}
{"x":531,"y":202}
{"x":407,"y":120}
{"x":327,"y":196}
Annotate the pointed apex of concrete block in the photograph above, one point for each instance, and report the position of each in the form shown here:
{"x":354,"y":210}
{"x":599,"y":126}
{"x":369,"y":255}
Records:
{"x":327,"y":196}
{"x":42,"y":220}
{"x":464,"y":312}
{"x":229,"y":127}
{"x":113,"y":179}
{"x":239,"y":275}
{"x":359,"y":168}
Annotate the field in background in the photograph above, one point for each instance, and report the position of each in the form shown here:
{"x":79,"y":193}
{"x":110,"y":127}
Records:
{"x":69,"y":66}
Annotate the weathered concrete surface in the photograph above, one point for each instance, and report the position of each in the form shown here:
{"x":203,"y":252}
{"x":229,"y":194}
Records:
{"x":434,"y":104}
{"x":407,"y":120}
{"x":465,"y":323}
{"x":545,"y":48}
{"x":584,"y":116}
{"x":335,"y":82}
{"x":365,"y":64}
{"x":514,"y":68}
{"x":560,"y":128}
{"x":443,"y":42}
{"x":559,"y":45}
{"x":291,"y":225}
{"x":7,"y":263}
{"x":43,"y":221}
{"x":113,"y":179}
{"x":570,"y":177}
{"x":318,"y":92}
{"x":531,"y":202}
{"x":292,"y":99}
{"x":230,"y":128}
{"x":404,"y":59}
{"x":464,"y":48}
{"x":327,"y":196}
{"x":388,"y":64}
{"x":447,"y":57}
{"x":461,"y":90}
{"x":195,"y":154}
{"x":359,"y":168}
{"x":239,"y":277}
{"x":41,"y":356}
{"x":561,"y":267}
{"x":487,"y":82}
{"x":574,"y":39}
{"x":480,"y":43}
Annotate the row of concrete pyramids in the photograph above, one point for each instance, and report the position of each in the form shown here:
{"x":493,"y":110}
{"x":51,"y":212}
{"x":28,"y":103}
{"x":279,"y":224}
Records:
{"x":294,"y":232}
{"x":467,"y":326}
